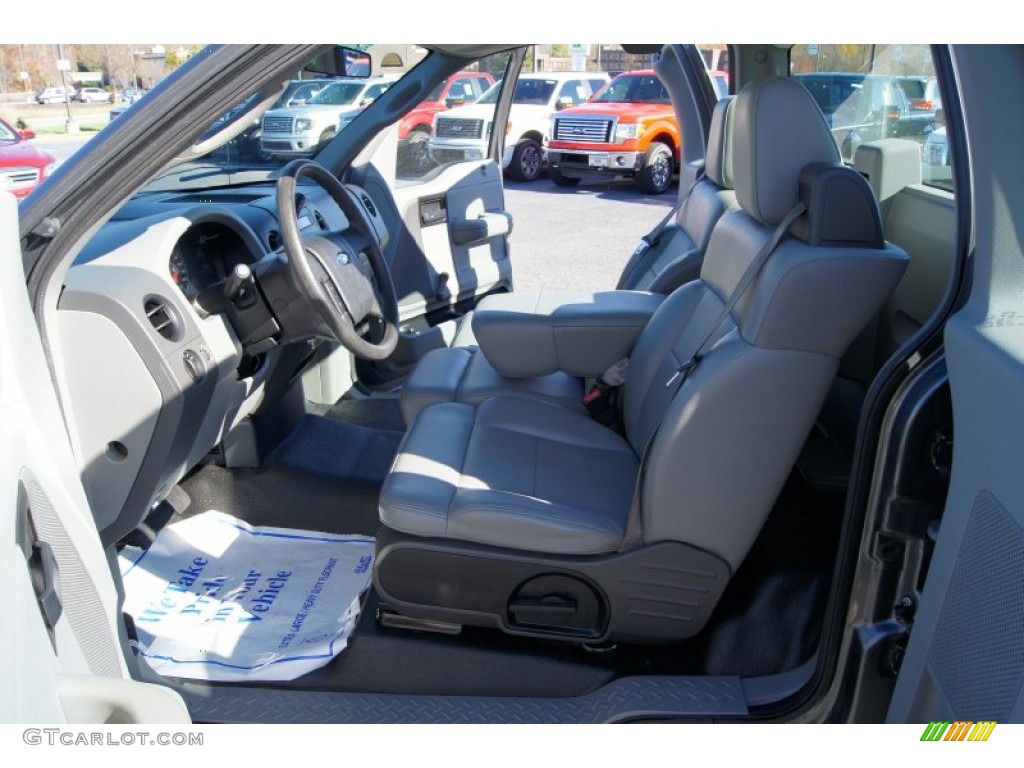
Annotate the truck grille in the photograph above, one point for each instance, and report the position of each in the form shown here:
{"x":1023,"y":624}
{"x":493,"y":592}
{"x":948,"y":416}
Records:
{"x":459,"y":128}
{"x":583,"y":129}
{"x":13,"y":178}
{"x":277,"y":124}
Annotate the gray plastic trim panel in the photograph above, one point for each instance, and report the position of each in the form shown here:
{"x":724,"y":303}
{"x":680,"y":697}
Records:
{"x":636,"y":698}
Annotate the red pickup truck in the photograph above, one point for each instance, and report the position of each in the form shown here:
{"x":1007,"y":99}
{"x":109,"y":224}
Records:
{"x":628,"y":129}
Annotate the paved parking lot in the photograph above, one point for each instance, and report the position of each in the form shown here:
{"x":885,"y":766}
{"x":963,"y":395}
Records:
{"x":578,"y":238}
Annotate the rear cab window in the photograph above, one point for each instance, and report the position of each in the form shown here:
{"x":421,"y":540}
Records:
{"x":871,"y":92}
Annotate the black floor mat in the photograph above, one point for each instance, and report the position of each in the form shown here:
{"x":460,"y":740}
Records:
{"x":325,"y":477}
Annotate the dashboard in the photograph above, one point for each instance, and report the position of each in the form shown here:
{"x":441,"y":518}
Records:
{"x":159,"y":378}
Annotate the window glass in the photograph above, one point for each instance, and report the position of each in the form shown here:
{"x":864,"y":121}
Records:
{"x":635,"y":89}
{"x":575,"y":91}
{"x":871,"y":92}
{"x":437,"y":134}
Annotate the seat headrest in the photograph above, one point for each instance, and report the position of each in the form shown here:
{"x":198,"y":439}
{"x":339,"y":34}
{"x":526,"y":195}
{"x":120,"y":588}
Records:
{"x":889,"y":165}
{"x":841,"y":208}
{"x":778,"y":130}
{"x":718,"y":158}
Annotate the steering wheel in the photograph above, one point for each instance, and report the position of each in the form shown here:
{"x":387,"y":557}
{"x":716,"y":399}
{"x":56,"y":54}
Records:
{"x":328,"y":268}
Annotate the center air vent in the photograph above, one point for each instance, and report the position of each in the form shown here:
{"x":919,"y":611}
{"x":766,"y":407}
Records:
{"x":162,"y":317}
{"x":320,"y":220}
{"x":369,"y":205}
{"x":274,"y":239}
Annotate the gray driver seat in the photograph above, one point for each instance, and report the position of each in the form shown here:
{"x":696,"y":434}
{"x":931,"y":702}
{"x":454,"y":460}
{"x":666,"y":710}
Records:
{"x":529,"y":517}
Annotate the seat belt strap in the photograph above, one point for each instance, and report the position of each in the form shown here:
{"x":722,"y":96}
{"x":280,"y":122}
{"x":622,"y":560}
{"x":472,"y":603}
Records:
{"x":749,"y":275}
{"x":634,"y":523}
{"x":651,"y":239}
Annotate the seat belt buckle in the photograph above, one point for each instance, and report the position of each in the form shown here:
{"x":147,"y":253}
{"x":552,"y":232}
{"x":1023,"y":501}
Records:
{"x":642,"y":247}
{"x":598,"y":393}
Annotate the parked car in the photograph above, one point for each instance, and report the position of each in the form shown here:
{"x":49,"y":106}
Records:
{"x":922,"y":92}
{"x":54,"y":95}
{"x":128,"y":97}
{"x":462,"y":133}
{"x":298,"y":130}
{"x":185,"y":339}
{"x":131,"y":94}
{"x":628,"y":129}
{"x":861,"y":107}
{"x":93,"y":94}
{"x":22,"y":166}
{"x":936,"y":163}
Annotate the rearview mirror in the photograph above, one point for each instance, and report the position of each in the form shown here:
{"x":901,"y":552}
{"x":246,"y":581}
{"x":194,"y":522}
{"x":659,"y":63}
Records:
{"x":340,"y":61}
{"x":562,"y":103}
{"x":454,"y":101}
{"x":28,"y":133}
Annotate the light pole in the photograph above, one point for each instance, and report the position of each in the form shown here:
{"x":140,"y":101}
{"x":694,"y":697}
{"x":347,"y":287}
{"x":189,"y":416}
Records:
{"x":64,"y":65}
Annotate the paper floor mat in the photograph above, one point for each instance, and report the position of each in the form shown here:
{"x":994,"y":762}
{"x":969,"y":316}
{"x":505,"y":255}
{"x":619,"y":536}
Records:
{"x":217,"y":599}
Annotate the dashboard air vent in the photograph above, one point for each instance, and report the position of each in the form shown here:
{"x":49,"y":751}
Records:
{"x":320,"y":220}
{"x":162,"y":317}
{"x":274,"y":239}
{"x":369,"y":205}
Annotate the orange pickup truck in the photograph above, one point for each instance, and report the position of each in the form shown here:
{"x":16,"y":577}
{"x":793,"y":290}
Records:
{"x":627,"y":129}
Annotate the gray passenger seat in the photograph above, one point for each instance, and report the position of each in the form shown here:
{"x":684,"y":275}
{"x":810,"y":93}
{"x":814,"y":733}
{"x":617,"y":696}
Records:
{"x":461,"y":373}
{"x":524,"y":514}
{"x":921,"y":221}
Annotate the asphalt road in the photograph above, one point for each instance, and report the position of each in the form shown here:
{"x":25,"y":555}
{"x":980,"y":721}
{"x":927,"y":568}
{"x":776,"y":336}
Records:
{"x":575,"y":238}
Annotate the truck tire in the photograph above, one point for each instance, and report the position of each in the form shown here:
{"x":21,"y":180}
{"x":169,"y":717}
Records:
{"x":416,"y":147}
{"x":655,"y":175}
{"x":327,"y":135}
{"x":527,"y":161}
{"x":560,"y":179}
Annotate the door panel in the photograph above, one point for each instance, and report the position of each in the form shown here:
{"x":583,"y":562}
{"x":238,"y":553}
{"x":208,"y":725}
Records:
{"x":965,"y":657}
{"x":63,"y":616}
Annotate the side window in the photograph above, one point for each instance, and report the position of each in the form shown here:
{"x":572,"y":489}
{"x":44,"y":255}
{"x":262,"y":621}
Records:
{"x":870,"y":92}
{"x":596,"y":85}
{"x":459,"y":128}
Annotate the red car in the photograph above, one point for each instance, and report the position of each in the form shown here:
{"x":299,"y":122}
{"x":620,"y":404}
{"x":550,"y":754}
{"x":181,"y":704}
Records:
{"x":22,"y":166}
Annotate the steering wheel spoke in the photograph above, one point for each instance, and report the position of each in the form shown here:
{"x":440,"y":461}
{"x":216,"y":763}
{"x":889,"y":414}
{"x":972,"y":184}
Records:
{"x":329,"y":268}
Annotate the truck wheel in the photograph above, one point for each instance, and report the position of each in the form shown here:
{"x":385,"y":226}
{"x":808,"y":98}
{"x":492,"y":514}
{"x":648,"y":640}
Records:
{"x":417,"y":140}
{"x":655,"y":175}
{"x":561,"y":180}
{"x":526,"y":161}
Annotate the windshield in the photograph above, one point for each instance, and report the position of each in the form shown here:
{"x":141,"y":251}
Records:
{"x":6,"y":133}
{"x":647,"y":89}
{"x":528,"y":91}
{"x":298,"y":118}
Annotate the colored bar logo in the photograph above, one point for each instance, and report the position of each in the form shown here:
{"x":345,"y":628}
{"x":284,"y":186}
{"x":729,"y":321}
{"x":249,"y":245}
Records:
{"x":959,"y":731}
